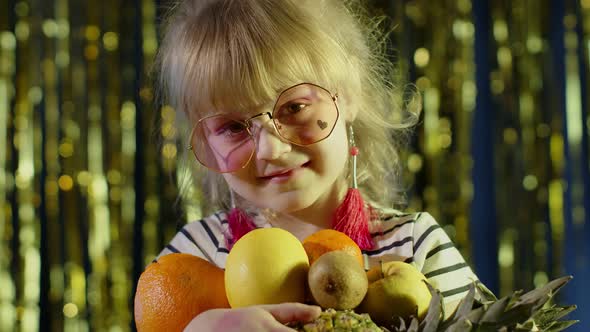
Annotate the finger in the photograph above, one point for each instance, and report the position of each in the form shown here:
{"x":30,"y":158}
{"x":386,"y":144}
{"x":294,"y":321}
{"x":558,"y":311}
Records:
{"x":276,"y":326}
{"x":291,"y":312}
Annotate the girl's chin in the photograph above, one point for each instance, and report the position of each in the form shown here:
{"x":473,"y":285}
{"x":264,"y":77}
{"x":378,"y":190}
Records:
{"x":286,"y":204}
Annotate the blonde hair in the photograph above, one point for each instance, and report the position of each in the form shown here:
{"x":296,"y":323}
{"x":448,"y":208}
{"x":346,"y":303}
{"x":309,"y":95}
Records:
{"x":220,"y":54}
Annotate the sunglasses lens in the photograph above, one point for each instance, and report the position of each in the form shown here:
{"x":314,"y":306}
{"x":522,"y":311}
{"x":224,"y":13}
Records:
{"x":305,"y":114}
{"x":222,"y":143}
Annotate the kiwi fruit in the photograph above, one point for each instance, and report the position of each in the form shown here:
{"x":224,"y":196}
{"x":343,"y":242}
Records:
{"x":336,"y":280}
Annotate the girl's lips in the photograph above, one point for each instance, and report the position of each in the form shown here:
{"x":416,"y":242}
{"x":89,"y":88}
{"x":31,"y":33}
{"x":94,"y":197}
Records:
{"x":283,"y":177}
{"x":279,"y":173}
{"x":286,"y":175}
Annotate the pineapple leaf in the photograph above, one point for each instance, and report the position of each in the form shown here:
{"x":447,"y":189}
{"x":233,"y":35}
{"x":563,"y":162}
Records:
{"x":514,"y":297}
{"x":414,"y":325}
{"x":543,"y":294}
{"x":461,"y":325}
{"x":486,"y":294}
{"x":433,"y":317}
{"x":523,"y":329}
{"x":529,"y":325}
{"x":486,"y":327}
{"x":516,"y":314}
{"x":559,"y":325}
{"x":473,"y":316}
{"x":495,"y":310}
{"x":554,"y":313}
{"x":466,"y":304}
{"x":402,"y":325}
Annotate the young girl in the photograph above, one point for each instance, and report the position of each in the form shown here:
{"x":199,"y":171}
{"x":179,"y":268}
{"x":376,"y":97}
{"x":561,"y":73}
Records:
{"x":293,"y":112}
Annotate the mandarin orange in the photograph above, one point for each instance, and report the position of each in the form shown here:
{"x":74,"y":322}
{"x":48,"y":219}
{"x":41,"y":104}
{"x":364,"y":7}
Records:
{"x":175,"y":289}
{"x":328,"y":240}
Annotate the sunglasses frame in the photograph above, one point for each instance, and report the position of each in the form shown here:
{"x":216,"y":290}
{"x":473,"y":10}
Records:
{"x":247,"y":123}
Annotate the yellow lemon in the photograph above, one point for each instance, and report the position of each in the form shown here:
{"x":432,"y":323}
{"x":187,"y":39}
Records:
{"x":267,"y":265}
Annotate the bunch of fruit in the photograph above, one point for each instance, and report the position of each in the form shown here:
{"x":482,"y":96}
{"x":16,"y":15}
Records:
{"x":270,"y":265}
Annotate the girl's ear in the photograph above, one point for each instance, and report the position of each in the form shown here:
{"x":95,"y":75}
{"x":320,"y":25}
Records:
{"x":348,"y":109}
{"x":351,"y":113}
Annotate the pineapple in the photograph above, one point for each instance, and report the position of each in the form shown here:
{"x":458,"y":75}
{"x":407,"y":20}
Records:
{"x":345,"y":320}
{"x":516,"y":312}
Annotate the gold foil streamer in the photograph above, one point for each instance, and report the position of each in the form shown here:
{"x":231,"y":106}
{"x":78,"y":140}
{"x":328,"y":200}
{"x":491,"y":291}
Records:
{"x":153,"y":194}
{"x":574,"y":122}
{"x":444,"y":65}
{"x":27,"y":141}
{"x":7,"y":89}
{"x":522,"y":174}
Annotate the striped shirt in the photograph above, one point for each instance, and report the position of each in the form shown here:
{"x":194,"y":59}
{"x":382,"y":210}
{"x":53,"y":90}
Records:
{"x":415,"y":238}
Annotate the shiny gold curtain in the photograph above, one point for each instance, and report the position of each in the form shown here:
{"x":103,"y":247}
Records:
{"x":510,"y":78}
{"x":88,"y":171}
{"x":86,"y":190}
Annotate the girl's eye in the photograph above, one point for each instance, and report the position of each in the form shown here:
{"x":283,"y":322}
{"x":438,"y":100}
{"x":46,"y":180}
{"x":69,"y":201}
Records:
{"x":236,"y":127}
{"x":231,"y":128}
{"x":295,"y":107}
{"x":295,"y":111}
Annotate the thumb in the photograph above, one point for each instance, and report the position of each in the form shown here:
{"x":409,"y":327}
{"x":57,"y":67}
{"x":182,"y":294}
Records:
{"x":291,"y":312}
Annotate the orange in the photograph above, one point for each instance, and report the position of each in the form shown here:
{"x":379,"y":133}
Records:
{"x":327,"y":240}
{"x":175,"y":289}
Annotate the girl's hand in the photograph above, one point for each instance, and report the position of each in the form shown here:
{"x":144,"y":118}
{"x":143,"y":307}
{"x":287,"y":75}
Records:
{"x":263,"y":318}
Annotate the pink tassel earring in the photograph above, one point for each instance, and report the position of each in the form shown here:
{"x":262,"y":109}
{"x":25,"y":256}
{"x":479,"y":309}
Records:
{"x":352,"y":216}
{"x":239,"y":223}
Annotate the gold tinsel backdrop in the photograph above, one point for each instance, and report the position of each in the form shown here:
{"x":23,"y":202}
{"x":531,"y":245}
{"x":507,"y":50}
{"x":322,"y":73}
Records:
{"x":88,"y":184}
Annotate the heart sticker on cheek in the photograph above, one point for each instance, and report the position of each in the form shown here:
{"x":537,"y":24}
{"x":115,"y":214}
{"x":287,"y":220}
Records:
{"x":322,"y":124}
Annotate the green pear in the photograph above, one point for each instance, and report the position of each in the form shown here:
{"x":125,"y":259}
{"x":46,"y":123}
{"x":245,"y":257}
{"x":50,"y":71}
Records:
{"x":336,"y":280}
{"x":400,"y":292}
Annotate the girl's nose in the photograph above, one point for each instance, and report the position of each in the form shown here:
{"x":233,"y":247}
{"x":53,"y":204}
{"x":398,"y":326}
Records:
{"x":270,"y":145}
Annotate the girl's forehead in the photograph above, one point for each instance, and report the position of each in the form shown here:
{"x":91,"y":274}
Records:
{"x":243,"y":103}
{"x":237,"y":110}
